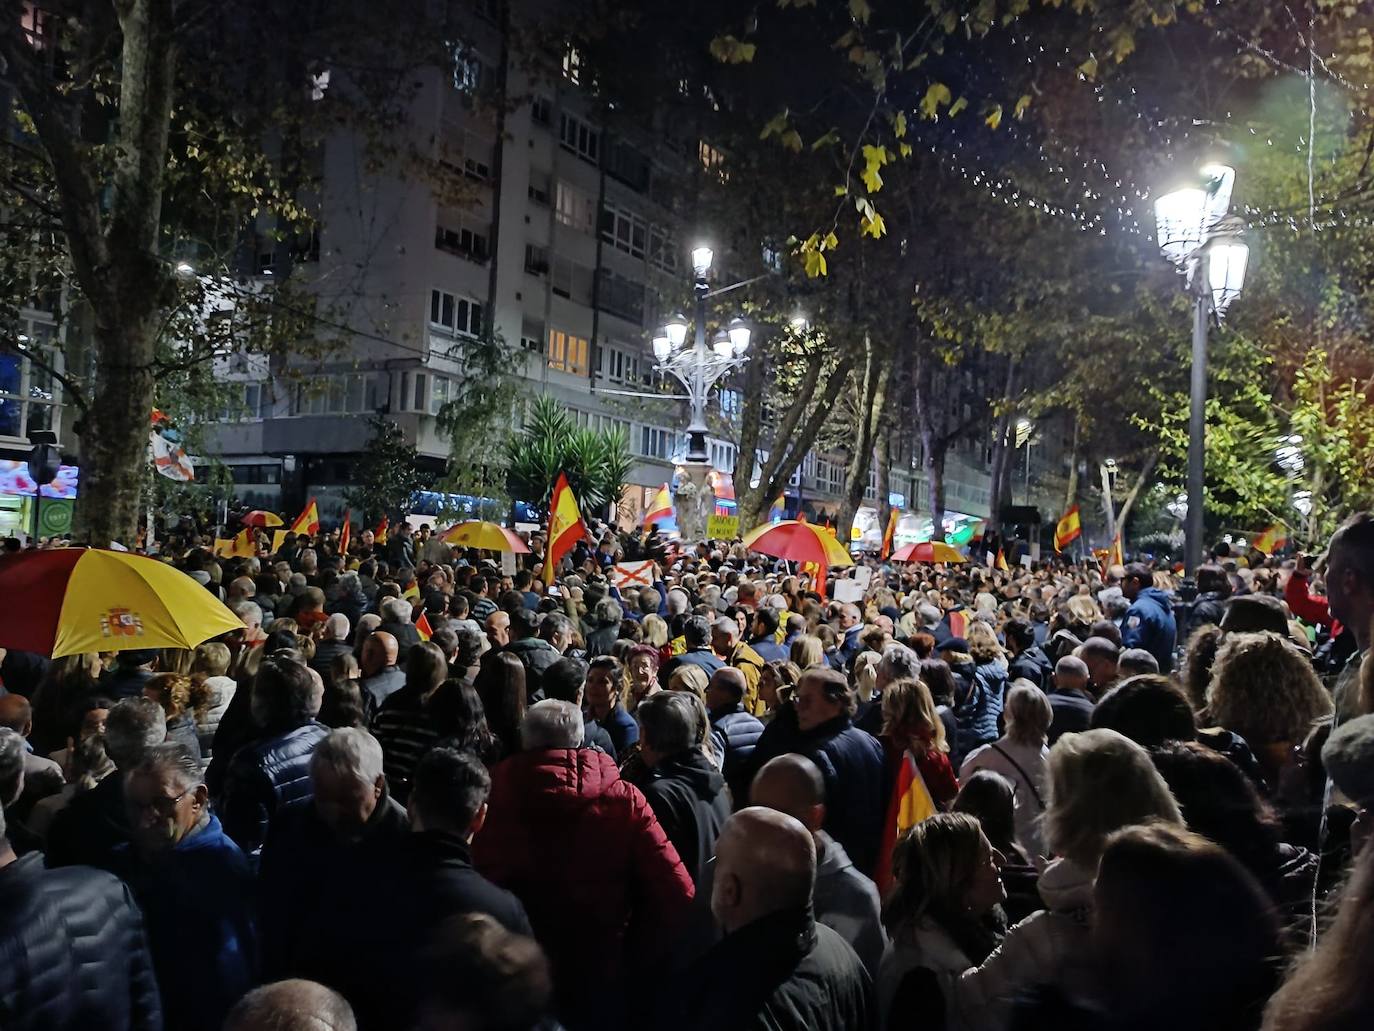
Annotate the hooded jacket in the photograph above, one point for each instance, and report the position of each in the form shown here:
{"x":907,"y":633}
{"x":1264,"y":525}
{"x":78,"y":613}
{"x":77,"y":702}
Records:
{"x":1050,"y":947}
{"x":1150,"y":625}
{"x":688,"y":796}
{"x":978,"y":709}
{"x":604,"y":888}
{"x":537,"y":656}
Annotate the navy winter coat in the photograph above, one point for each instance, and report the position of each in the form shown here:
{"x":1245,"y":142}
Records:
{"x":263,"y":778}
{"x":1150,"y":625}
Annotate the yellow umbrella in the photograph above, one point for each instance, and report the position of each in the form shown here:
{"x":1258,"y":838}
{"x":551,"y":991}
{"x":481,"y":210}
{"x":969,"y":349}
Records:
{"x":798,"y":542}
{"x":74,"y":600}
{"x":487,"y":536}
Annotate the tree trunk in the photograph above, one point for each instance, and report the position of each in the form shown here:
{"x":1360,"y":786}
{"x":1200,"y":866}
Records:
{"x":935,"y":448}
{"x":877,"y":372}
{"x":883,"y":456}
{"x":751,"y":422}
{"x":1147,"y":473}
{"x":791,"y":442}
{"x":1072,"y":494}
{"x":1002,"y":449}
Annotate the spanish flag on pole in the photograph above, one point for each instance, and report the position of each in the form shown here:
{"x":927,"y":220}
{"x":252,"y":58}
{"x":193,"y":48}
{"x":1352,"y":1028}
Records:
{"x":423,"y":628}
{"x":911,"y":803}
{"x":890,"y":532}
{"x":1271,"y":540}
{"x":662,"y":507}
{"x":379,"y":534}
{"x":308,"y":522}
{"x":1068,"y":529}
{"x":565,"y":527}
{"x":1002,"y":560}
{"x":345,"y":533}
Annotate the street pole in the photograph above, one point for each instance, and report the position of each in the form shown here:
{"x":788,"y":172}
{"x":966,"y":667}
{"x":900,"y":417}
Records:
{"x":1197,"y":417}
{"x":1111,"y":505}
{"x":696,"y":432}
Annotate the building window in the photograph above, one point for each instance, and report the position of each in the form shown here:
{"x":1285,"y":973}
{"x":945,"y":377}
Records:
{"x":656,"y":443}
{"x":577,"y":136}
{"x":29,"y":394}
{"x":662,"y":249}
{"x":462,"y":241}
{"x":454,"y":313}
{"x":469,"y":73}
{"x":619,"y":366}
{"x":624,"y":230}
{"x":621,"y":296}
{"x":439,"y":394}
{"x":532,"y":337}
{"x":536,"y":260}
{"x":571,"y":280}
{"x":568,"y":353}
{"x":712,"y":159}
{"x":731,"y":401}
{"x":539,"y":188}
{"x":574,"y":208}
{"x":541,"y":110}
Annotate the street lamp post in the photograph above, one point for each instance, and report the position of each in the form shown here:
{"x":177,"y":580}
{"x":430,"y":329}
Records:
{"x":698,"y":368}
{"x":1204,"y":243}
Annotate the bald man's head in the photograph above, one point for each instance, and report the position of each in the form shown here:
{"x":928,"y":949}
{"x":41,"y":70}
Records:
{"x":16,"y":713}
{"x":293,"y":1005}
{"x":379,"y":651}
{"x":765,"y":863}
{"x":793,"y":785}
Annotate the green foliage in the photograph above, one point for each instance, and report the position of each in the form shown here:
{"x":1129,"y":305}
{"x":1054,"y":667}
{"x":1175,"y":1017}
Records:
{"x":476,"y":415}
{"x":596,"y":462}
{"x":387,"y":473}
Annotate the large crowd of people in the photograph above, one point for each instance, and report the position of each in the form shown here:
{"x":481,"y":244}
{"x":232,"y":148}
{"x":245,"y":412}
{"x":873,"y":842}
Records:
{"x":419,"y":789}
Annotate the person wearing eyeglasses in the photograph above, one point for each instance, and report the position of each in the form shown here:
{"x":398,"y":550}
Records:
{"x":194,"y":885}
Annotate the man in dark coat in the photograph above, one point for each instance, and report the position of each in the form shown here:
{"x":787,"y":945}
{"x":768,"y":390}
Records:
{"x":1071,"y":698}
{"x":381,"y":676}
{"x":734,"y":731}
{"x":195,"y":888}
{"x":94,"y":823}
{"x":268,"y":774}
{"x":776,"y":967}
{"x":320,"y":848}
{"x":333,"y":644}
{"x":72,"y":951}
{"x":1150,"y":619}
{"x":763,"y":636}
{"x":534,"y":654}
{"x":374,"y":953}
{"x":605,"y":675}
{"x":1028,"y":661}
{"x":696,"y":633}
{"x":565,"y":681}
{"x":684,"y":790}
{"x":1214,"y":589}
{"x":850,"y":760}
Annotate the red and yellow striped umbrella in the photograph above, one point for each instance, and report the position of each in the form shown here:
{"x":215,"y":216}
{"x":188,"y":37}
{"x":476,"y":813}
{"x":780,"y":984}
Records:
{"x":927,"y":551}
{"x":798,"y":542}
{"x":73,"y":600}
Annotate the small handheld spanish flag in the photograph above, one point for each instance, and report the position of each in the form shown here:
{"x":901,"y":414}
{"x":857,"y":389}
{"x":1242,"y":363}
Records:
{"x":1271,"y":540}
{"x":345,"y":532}
{"x":1002,"y":560}
{"x":662,"y":507}
{"x":308,"y":522}
{"x":1068,"y":529}
{"x":379,"y":534}
{"x":890,"y":533}
{"x":423,"y":628}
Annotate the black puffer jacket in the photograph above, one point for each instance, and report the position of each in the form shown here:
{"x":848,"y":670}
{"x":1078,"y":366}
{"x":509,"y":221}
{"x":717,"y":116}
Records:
{"x":263,"y":777}
{"x":72,"y":952}
{"x":688,"y":796}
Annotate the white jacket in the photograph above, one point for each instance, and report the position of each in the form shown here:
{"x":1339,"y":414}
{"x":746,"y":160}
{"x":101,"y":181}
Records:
{"x":926,"y":946}
{"x":1048,"y":947}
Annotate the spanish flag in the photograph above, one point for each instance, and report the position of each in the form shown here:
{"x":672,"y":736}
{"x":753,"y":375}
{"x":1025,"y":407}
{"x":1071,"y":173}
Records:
{"x":1271,"y":540}
{"x":308,"y":522}
{"x":423,"y":628}
{"x":411,"y":593}
{"x":662,"y":507}
{"x":345,"y":533}
{"x":911,"y":803}
{"x":1116,"y":556}
{"x":1002,"y":560}
{"x":890,"y":532}
{"x":379,"y":534}
{"x":1068,"y":529}
{"x":243,"y":545}
{"x":565,"y":527}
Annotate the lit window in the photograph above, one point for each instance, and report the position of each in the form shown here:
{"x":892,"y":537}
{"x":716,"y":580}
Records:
{"x":568,"y":353}
{"x":572,"y":65}
{"x":573,"y":208}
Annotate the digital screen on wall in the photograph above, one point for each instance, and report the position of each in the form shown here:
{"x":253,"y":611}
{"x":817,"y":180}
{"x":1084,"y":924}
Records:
{"x":15,"y":479}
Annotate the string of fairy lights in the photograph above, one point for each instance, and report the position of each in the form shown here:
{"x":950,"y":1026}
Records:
{"x":1096,"y":198}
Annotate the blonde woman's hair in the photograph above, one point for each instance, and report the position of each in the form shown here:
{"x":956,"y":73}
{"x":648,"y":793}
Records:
{"x":807,"y":652}
{"x":692,"y":679}
{"x":1100,"y":781}
{"x":212,"y":658}
{"x":865,"y":674}
{"x":655,"y":630}
{"x":982,"y":642}
{"x":1265,"y":690}
{"x":1084,"y":609}
{"x":933,"y":865}
{"x":909,"y":715}
{"x":1028,"y":714}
